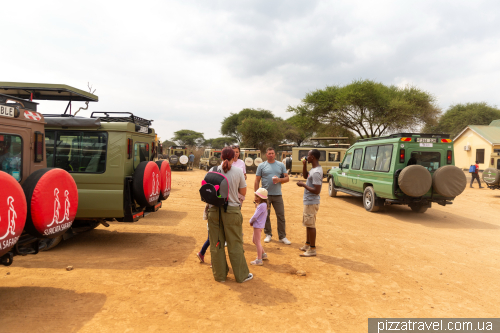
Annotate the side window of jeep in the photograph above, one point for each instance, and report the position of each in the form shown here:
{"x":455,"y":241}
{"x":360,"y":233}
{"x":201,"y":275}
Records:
{"x":77,"y":151}
{"x":11,"y":147}
{"x":141,"y":153}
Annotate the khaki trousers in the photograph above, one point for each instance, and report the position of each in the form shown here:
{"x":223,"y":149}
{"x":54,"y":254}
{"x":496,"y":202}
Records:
{"x":230,"y":231}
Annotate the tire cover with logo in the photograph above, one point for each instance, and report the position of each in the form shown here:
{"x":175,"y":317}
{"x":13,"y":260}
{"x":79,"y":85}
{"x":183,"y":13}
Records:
{"x":248,"y":161}
{"x":52,"y":198}
{"x":184,"y":159}
{"x":449,"y":181}
{"x":415,"y":180}
{"x":213,"y":161}
{"x":173,"y":159}
{"x":491,"y":176}
{"x":13,"y":210}
{"x":165,"y":179}
{"x":146,"y":184}
{"x":258,"y":161}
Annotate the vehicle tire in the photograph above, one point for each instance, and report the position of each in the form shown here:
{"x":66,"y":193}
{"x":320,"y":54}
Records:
{"x":146,"y":184}
{"x":50,"y":193}
{"x":449,"y":181}
{"x":52,"y":242}
{"x":165,"y":179}
{"x":257,"y":161}
{"x":419,"y":208}
{"x":331,"y":188}
{"x":369,"y":199}
{"x":213,"y":161}
{"x":491,"y":176}
{"x":13,"y":211}
{"x":415,"y":180}
{"x":248,"y":161}
{"x":184,"y":160}
{"x":173,"y":159}
{"x":288,"y":163}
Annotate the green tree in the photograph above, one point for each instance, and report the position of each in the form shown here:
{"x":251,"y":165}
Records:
{"x":230,"y":124}
{"x":298,"y":128}
{"x":261,"y":133}
{"x":369,"y":108}
{"x":219,"y":142}
{"x":188,"y":138}
{"x":168,"y":143}
{"x":459,"y":116}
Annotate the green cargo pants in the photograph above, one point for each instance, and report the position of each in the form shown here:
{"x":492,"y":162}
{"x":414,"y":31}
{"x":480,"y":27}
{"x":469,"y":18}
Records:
{"x":230,"y":231}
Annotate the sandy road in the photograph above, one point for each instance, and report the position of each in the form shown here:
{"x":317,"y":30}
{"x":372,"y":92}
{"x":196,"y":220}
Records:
{"x":144,"y":277}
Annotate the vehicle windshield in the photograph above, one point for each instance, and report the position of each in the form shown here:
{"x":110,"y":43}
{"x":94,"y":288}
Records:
{"x":217,"y":154}
{"x":429,"y":159}
{"x":11,"y":155}
{"x":254,"y":156}
{"x":179,"y":153}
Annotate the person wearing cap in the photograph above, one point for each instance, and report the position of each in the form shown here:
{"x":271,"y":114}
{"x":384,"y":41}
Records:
{"x":312,"y":189}
{"x":258,"y":222}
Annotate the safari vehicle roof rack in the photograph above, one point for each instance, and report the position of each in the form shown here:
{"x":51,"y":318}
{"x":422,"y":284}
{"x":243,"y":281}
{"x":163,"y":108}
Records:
{"x":110,"y":118}
{"x":403,"y":135}
{"x":177,"y":147}
{"x":4,"y":99}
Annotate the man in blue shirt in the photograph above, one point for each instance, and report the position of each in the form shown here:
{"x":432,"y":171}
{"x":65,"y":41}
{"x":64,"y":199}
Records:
{"x":273,"y":173}
{"x":191,"y":160}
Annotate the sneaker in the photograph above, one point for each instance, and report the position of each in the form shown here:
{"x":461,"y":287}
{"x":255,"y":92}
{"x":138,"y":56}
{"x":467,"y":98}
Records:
{"x":309,"y":253}
{"x":305,"y":247}
{"x":201,"y":257}
{"x":225,"y":244}
{"x":249,"y":277}
{"x":257,"y":262}
{"x":267,"y":239}
{"x":264,"y":256}
{"x":285,"y":241}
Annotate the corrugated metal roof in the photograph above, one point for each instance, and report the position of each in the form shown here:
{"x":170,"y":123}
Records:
{"x":489,"y":133}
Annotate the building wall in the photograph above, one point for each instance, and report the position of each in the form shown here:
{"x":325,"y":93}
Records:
{"x":464,"y":159}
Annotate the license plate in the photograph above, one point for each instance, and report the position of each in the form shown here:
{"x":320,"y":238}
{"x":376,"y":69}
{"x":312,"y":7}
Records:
{"x":6,"y":111}
{"x":427,"y":145}
{"x":427,"y":140}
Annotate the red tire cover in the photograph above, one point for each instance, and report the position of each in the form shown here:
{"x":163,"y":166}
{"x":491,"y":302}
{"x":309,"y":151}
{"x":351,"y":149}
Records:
{"x":146,"y":183}
{"x":12,"y":212}
{"x":53,"y":201}
{"x":166,"y":178}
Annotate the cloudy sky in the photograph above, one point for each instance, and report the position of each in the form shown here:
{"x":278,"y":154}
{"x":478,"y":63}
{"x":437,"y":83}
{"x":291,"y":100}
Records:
{"x":188,"y":64}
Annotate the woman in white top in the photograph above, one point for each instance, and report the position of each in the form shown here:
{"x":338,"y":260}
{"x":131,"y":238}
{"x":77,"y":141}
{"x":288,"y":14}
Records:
{"x":237,"y":162}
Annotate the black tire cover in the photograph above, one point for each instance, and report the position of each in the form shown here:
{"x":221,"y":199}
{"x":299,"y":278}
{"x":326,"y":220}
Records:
{"x":491,"y":176}
{"x":173,"y":159}
{"x":288,"y":163}
{"x":449,"y":181}
{"x":415,"y":180}
{"x":213,"y":161}
{"x":146,"y":184}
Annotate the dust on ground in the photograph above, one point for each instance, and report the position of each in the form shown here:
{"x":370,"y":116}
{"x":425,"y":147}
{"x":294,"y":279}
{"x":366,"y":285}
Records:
{"x":145,"y":277}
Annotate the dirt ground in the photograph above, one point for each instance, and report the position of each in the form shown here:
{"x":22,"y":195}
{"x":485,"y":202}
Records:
{"x":145,"y":277}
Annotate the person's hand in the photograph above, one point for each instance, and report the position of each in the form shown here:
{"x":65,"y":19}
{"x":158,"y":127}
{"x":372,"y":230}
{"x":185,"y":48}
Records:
{"x":251,"y":224}
{"x":276,"y":179}
{"x":304,"y":160}
{"x":301,"y":184}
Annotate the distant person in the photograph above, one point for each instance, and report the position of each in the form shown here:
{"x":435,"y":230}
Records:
{"x":412,"y":160}
{"x":191,"y":160}
{"x":258,"y":222}
{"x":273,"y":173}
{"x":239,"y":164}
{"x":475,"y":175}
{"x":312,"y":189}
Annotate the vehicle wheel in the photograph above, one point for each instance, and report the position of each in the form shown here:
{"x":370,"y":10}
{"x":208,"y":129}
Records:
{"x":331,"y":189}
{"x":369,"y":199}
{"x":419,"y":208}
{"x":52,"y":242}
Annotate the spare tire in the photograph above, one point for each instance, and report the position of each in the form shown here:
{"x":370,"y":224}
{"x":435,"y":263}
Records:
{"x":449,"y":181}
{"x":165,"y":178}
{"x":173,"y":159}
{"x":13,"y":210}
{"x":213,"y":161}
{"x":491,"y":176}
{"x":258,"y":161}
{"x":248,"y":161}
{"x":288,"y":163}
{"x":44,"y":190}
{"x":146,"y":184}
{"x":183,"y":159}
{"x":415,"y":180}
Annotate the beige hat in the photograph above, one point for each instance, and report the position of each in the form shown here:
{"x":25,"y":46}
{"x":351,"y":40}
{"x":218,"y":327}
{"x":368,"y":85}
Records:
{"x":262,"y":193}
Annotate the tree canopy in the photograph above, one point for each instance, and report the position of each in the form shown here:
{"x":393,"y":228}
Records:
{"x":168,"y":143}
{"x":188,"y":138}
{"x":459,"y":116}
{"x":261,"y":133}
{"x":219,"y":142}
{"x":230,"y":124}
{"x":369,"y":108}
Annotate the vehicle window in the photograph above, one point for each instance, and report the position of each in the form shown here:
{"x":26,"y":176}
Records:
{"x":11,"y":148}
{"x":370,"y":157}
{"x":179,"y":153}
{"x":347,"y":161}
{"x":498,"y":163}
{"x":356,"y":161}
{"x":253,"y":156}
{"x":480,"y":156}
{"x":217,"y":154}
{"x":50,"y":138}
{"x":303,"y":153}
{"x":332,"y":156}
{"x":428,"y":159}
{"x":77,"y":151}
{"x":141,"y":153}
{"x":383,"y":162}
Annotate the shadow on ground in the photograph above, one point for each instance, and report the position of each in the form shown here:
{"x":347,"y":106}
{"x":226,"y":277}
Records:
{"x":163,"y":217}
{"x":348,"y":264}
{"x":262,"y":293}
{"x":46,"y":309}
{"x":103,"y":249}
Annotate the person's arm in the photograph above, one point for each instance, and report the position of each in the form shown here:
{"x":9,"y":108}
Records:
{"x":316,"y":188}
{"x":285,"y":178}
{"x":258,"y":176}
{"x":305,"y":173}
{"x":243,"y":185}
{"x":242,"y":191}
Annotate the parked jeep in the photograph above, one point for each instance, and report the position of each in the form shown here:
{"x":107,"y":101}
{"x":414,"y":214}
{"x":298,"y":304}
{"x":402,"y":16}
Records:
{"x":251,"y":157}
{"x":401,"y":169}
{"x":177,"y":156}
{"x":491,"y":175}
{"x":37,"y":204}
{"x":210,"y":158}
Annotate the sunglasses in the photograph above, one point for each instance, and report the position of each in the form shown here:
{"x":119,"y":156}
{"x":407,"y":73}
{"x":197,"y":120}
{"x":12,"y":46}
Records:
{"x":235,"y":146}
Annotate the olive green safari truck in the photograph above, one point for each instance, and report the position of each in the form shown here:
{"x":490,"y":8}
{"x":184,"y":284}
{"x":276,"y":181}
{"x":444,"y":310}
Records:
{"x":110,"y":155}
{"x":411,"y":169}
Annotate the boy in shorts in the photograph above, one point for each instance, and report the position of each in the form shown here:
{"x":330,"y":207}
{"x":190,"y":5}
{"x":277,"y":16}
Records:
{"x":312,"y":189}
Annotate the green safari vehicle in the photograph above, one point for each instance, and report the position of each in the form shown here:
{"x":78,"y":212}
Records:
{"x":411,"y":169}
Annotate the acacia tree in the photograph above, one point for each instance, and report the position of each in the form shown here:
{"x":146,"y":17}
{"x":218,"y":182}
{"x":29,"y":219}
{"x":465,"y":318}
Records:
{"x":219,"y":142}
{"x":261,"y":133}
{"x":188,"y":138}
{"x":369,"y":108}
{"x":230,"y":124}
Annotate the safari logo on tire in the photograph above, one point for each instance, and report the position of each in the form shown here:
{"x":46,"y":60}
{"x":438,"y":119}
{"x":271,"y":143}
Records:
{"x":146,"y":183}
{"x":12,"y":212}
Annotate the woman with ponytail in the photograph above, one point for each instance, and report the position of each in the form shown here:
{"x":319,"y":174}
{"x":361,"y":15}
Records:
{"x":230,"y":229}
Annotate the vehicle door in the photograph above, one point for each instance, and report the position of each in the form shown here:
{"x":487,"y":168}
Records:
{"x":354,"y":172}
{"x":343,"y":176}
